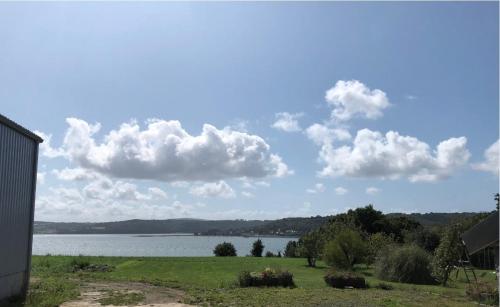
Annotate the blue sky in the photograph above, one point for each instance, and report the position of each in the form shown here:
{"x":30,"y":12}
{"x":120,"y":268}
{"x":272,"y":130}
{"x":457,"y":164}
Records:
{"x":425,"y":73}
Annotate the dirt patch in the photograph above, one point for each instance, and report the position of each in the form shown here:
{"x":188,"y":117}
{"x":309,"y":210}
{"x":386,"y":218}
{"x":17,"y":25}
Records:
{"x":92,"y":294}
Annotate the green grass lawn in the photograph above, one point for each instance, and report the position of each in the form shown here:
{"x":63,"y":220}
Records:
{"x":211,"y":281}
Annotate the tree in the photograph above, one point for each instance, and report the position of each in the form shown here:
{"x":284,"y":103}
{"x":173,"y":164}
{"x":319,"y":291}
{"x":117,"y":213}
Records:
{"x":257,"y":248}
{"x":425,"y":238}
{"x":368,"y":219}
{"x":291,"y":249}
{"x":447,"y":254}
{"x":497,"y":199}
{"x":225,"y":249}
{"x":310,"y":246}
{"x":345,"y":250}
{"x":376,"y":243}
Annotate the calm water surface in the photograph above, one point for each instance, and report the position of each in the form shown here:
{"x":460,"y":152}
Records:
{"x":145,"y":245}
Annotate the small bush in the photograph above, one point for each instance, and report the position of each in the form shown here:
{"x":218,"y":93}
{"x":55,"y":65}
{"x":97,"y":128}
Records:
{"x":257,"y":248}
{"x":291,"y":250}
{"x":267,"y":278}
{"x":407,"y":264}
{"x":342,"y":280}
{"x":270,"y":254}
{"x":483,"y":293}
{"x":79,"y":263}
{"x":225,"y":249}
{"x":384,"y":286}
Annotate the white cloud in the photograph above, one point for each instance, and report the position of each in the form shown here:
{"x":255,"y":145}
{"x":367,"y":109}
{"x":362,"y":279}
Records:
{"x":318,"y":188}
{"x":180,"y":184}
{"x":491,"y":159}
{"x":104,"y":188}
{"x":341,"y":191}
{"x":249,"y":184}
{"x":354,"y":99}
{"x":247,"y":194}
{"x":213,"y":189}
{"x":393,"y":156}
{"x":321,"y":134}
{"x":287,"y":122}
{"x":165,"y":151}
{"x":107,"y":200}
{"x":40,"y":177}
{"x":75,"y":174}
{"x":372,"y":190}
{"x":157,"y":193}
{"x":45,"y":148}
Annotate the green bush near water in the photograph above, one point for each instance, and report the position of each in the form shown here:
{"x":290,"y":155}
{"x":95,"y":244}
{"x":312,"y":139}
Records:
{"x":267,"y":278}
{"x":340,"y":279}
{"x":406,"y":264}
{"x":225,"y":249}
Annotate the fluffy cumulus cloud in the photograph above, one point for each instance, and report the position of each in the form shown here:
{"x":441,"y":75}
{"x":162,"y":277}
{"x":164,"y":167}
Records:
{"x":318,"y":188}
{"x":372,"y":190}
{"x":77,"y":174}
{"x":213,"y":189}
{"x":287,"y":122}
{"x":104,"y":199}
{"x":392,"y":156}
{"x":104,"y":188}
{"x":165,"y":151}
{"x":491,"y":159}
{"x":321,"y":134}
{"x":352,"y":98}
{"x":341,"y":191}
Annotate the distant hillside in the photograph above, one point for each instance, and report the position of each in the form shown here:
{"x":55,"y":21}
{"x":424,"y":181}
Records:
{"x":282,"y":227}
{"x":146,"y":226}
{"x":435,"y":219}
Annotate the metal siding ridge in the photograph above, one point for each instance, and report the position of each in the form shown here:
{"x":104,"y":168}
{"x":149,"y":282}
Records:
{"x":12,"y":124}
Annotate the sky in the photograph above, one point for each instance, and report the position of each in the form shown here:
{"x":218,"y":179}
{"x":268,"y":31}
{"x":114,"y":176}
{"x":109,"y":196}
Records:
{"x":263,"y":110}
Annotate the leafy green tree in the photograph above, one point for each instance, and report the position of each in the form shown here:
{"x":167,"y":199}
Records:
{"x":310,"y":246}
{"x":425,"y":238}
{"x":377,"y":242}
{"x":257,"y":248}
{"x":291,"y":249}
{"x":347,"y":249}
{"x":447,"y":254}
{"x":399,"y":225}
{"x":368,"y":219}
{"x":225,"y":249}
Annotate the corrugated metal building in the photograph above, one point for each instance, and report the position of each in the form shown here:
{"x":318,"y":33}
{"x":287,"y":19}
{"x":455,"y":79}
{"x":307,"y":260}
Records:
{"x":18,"y":170}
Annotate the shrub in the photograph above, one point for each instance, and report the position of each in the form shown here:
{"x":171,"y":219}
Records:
{"x":79,"y":263}
{"x":270,"y":254}
{"x":257,"y":248}
{"x":225,"y":249}
{"x":339,"y":279}
{"x":384,"y":286}
{"x":345,"y":250}
{"x":291,"y":249}
{"x":408,"y":264}
{"x":483,"y":293}
{"x":267,"y":278}
{"x":447,"y":254}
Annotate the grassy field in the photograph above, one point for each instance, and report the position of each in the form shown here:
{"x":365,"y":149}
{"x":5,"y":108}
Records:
{"x":211,"y":281}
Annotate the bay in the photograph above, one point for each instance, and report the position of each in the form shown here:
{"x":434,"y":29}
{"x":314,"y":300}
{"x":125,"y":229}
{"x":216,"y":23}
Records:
{"x":143,"y":245}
